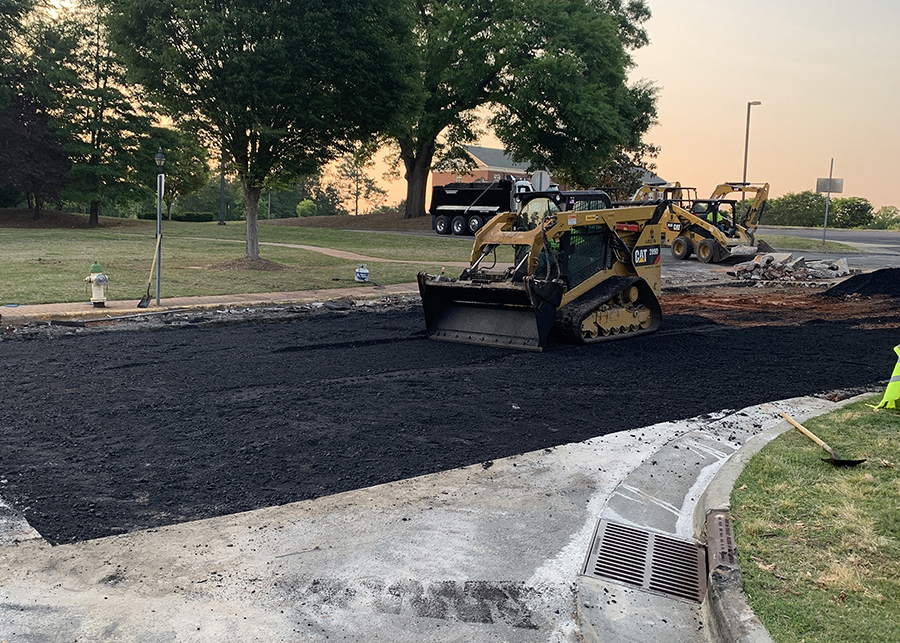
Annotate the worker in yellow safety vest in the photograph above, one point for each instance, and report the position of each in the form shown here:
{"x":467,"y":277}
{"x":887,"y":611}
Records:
{"x":892,"y":393}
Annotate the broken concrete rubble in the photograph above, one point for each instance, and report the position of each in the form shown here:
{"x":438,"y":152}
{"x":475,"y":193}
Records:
{"x":783,"y":266}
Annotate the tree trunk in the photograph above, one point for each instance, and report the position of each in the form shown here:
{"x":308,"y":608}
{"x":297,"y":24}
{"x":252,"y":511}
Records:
{"x":251,"y":201}
{"x":418,"y":165}
{"x":94,"y":218}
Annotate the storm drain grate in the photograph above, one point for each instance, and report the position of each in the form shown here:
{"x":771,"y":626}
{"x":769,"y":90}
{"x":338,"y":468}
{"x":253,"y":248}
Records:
{"x":650,"y":561}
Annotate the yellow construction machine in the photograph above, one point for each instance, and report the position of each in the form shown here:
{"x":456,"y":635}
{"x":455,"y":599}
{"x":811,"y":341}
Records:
{"x":566,"y":262}
{"x":715,"y":228}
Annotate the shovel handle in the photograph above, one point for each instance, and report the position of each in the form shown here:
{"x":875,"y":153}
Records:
{"x":153,"y":264}
{"x":807,"y":433}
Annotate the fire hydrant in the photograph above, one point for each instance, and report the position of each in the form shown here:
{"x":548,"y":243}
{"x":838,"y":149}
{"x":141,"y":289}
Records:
{"x":98,"y":283}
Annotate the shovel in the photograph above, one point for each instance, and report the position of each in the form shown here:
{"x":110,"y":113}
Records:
{"x":836,"y":461}
{"x":145,"y":300}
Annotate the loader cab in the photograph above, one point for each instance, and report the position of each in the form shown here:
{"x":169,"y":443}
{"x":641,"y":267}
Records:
{"x":537,"y":206}
{"x":718,"y":212}
{"x":577,"y":253}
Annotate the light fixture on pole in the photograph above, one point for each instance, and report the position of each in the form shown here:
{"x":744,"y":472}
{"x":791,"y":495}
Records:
{"x":747,"y":136}
{"x":160,"y":188}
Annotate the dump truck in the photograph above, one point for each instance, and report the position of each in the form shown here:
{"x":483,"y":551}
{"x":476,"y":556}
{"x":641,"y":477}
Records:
{"x":715,"y":228}
{"x":462,"y":208}
{"x":565,"y":262}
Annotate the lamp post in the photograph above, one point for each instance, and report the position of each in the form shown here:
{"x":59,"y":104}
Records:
{"x":747,"y":136}
{"x":160,"y":187}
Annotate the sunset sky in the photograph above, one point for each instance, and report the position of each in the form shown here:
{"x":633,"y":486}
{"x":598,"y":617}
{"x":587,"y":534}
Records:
{"x":827,"y":73}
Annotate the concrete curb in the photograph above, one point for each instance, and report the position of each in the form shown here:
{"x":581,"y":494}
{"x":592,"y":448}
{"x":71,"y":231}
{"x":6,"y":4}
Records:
{"x":73,"y":311}
{"x":726,"y":610}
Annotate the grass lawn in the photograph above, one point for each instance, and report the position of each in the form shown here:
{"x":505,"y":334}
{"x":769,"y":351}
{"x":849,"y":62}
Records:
{"x":819,"y":545}
{"x":49,"y":265}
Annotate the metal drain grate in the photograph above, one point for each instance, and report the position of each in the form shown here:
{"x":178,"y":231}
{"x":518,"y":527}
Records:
{"x":720,"y":540}
{"x":653,"y":562}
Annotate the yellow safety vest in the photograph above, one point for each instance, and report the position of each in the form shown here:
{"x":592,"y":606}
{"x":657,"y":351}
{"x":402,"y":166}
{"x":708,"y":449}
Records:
{"x":892,"y":393}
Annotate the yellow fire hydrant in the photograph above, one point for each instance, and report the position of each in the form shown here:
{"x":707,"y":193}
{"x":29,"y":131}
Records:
{"x":98,"y":283}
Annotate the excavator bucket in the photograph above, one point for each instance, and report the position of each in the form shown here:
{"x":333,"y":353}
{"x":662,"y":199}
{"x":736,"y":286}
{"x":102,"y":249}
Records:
{"x":495,"y":314}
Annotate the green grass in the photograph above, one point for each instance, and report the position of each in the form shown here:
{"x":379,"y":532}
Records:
{"x":801,"y":243}
{"x":819,"y":545}
{"x":45,"y":266}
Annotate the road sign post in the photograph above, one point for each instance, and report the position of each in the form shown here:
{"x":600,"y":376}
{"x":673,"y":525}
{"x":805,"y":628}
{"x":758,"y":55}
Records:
{"x":829,"y":185}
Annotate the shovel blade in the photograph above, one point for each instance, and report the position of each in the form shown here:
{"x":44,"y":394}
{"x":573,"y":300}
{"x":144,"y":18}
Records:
{"x":843,"y":463}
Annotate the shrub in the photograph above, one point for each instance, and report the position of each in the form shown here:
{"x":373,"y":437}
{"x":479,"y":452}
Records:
{"x":307,"y":208}
{"x":193,"y":217}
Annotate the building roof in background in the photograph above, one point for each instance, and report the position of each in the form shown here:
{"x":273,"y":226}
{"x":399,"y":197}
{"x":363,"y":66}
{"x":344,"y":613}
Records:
{"x":649,"y":177}
{"x":490,"y":158}
{"x":493,"y":159}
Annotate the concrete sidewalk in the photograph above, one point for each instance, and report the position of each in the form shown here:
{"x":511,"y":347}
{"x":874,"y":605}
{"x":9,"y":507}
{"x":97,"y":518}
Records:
{"x":488,"y":552}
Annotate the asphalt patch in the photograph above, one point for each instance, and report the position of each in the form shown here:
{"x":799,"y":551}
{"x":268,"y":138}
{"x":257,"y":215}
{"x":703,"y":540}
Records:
{"x":105,"y":433}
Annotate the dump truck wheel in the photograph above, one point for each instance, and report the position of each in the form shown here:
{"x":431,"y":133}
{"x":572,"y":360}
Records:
{"x":706,"y":251}
{"x":682,"y":248}
{"x":458,"y":225}
{"x":475,"y":223}
{"x":442,"y":224}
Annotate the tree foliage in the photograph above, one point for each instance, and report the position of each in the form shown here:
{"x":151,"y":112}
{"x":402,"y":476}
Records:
{"x":281,"y":85}
{"x":100,"y":120}
{"x":12,"y":25}
{"x":850,"y":212}
{"x":553,"y":70}
{"x":186,"y":163}
{"x":354,"y":181}
{"x":31,"y":157}
{"x":806,"y":209}
{"x":887,"y":218}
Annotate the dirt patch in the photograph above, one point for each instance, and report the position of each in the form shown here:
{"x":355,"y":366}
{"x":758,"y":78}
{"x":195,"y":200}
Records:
{"x":20,"y":218}
{"x":744,"y":306}
{"x":190,"y":416}
{"x":388,"y":221}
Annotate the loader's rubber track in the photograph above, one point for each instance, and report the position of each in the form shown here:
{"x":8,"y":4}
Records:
{"x":618,"y":308}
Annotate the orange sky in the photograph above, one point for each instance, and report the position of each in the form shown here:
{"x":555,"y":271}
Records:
{"x":827,"y":73}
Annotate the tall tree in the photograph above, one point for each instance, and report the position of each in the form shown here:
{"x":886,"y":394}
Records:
{"x":354,"y":180}
{"x":12,"y":19}
{"x":31,"y":157}
{"x":186,"y":166}
{"x":100,"y":120}
{"x":554,"y":71}
{"x":282,"y":85}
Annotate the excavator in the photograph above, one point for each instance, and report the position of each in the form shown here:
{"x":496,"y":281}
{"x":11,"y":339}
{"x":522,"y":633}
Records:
{"x":565,"y":262}
{"x":715,"y":228}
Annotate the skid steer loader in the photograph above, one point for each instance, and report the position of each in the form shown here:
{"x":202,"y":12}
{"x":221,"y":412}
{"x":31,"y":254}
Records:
{"x":715,"y":228}
{"x":576,"y":266}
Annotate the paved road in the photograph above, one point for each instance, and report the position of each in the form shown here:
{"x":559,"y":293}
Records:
{"x":881,"y":241}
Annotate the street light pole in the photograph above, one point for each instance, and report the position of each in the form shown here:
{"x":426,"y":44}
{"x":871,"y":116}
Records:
{"x":160,"y":187}
{"x":747,"y":136}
